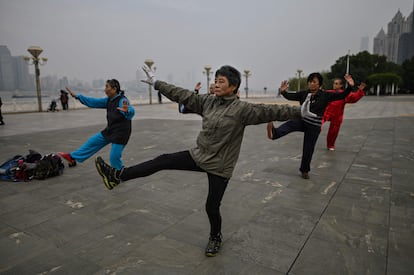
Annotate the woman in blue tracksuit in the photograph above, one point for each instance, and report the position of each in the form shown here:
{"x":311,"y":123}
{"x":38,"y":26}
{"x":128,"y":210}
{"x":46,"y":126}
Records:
{"x":117,"y":132}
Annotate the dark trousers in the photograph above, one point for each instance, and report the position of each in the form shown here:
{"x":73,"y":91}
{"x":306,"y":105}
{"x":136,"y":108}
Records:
{"x":183,"y":161}
{"x":159,"y":97}
{"x":311,"y":134}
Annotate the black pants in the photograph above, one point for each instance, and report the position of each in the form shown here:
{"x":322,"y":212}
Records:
{"x":183,"y":161}
{"x":159,"y":97}
{"x":311,"y":134}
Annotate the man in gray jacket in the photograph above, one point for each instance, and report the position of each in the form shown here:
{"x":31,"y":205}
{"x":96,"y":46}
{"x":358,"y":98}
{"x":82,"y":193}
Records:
{"x":224,"y":118}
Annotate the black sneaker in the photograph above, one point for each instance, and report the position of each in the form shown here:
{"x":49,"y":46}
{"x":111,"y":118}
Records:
{"x":109,"y":174}
{"x":213,"y":246}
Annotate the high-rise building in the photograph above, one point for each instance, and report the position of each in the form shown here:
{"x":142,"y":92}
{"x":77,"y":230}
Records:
{"x":14,"y":72}
{"x":406,"y":43}
{"x":24,"y":81}
{"x":388,"y":43}
{"x":364,"y":44}
{"x":379,"y":43}
{"x":7,"y":70}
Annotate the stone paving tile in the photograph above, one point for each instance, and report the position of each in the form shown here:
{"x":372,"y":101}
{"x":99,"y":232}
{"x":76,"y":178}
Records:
{"x":401,"y":250}
{"x":329,"y":257}
{"x":264,"y":246}
{"x":66,"y":227}
{"x":19,"y":247}
{"x":356,"y":210}
{"x":54,"y":261}
{"x":225,"y":264}
{"x":158,"y":256}
{"x":34,"y":214}
{"x":106,"y":244}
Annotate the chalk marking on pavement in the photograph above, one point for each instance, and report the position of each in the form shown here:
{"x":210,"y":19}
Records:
{"x":75,"y":205}
{"x":324,"y":192}
{"x":271,"y":195}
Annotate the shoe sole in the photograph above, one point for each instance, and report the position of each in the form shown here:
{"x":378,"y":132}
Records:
{"x":270,"y":130}
{"x":211,"y":254}
{"x":104,"y":177}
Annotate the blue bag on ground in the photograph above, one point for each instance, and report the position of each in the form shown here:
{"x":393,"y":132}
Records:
{"x":21,"y":168}
{"x":8,"y":168}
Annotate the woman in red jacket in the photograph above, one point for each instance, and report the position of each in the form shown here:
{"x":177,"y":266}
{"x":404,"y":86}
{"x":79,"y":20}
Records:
{"x":334,"y":112}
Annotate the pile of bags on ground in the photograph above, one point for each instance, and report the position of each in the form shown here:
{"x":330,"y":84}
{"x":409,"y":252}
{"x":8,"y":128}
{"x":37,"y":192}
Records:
{"x":31,"y":166}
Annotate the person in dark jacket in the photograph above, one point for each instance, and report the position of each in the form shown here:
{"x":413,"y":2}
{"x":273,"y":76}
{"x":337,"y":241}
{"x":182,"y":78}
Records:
{"x":117,"y":132}
{"x":64,"y":99}
{"x":1,"y":115}
{"x":224,"y":119}
{"x":181,"y":107}
{"x":316,"y":100}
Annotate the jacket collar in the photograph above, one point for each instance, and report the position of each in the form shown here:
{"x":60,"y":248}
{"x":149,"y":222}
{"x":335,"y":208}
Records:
{"x":113,"y":98}
{"x":226,"y":99}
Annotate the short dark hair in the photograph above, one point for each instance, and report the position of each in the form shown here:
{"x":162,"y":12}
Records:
{"x":318,"y":76}
{"x":232,"y":75}
{"x":339,"y":79}
{"x":114,"y":84}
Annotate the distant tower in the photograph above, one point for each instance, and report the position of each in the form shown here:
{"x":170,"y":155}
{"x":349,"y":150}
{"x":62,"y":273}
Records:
{"x":364,"y":44}
{"x":380,"y":43}
{"x":395,"y":29}
{"x":388,"y":44}
{"x":8,"y":76}
{"x":406,"y":42}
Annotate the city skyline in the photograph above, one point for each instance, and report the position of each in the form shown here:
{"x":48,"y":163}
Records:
{"x":102,"y":39}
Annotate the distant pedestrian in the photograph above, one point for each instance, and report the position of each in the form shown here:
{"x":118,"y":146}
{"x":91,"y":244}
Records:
{"x":1,"y":115}
{"x":224,"y":119}
{"x":53,"y":106}
{"x":181,"y":106}
{"x":159,"y":98}
{"x":334,"y":112}
{"x":316,"y":100}
{"x":64,"y":99}
{"x":117,"y":132}
{"x":211,"y":89}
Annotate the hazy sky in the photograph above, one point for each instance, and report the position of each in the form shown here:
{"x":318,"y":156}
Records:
{"x":90,"y":39}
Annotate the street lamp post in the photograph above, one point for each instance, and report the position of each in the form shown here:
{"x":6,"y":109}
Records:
{"x":347,"y":67}
{"x":299,"y":73}
{"x":149,"y":63}
{"x":207,"y":71}
{"x":35,"y":51}
{"x":246,"y":75}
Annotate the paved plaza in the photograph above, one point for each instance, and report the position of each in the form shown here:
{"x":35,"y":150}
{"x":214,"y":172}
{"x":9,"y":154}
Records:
{"x":354,"y":216}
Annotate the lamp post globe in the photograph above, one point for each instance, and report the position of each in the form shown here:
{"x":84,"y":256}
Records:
{"x":207,"y":71}
{"x":35,"y":51}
